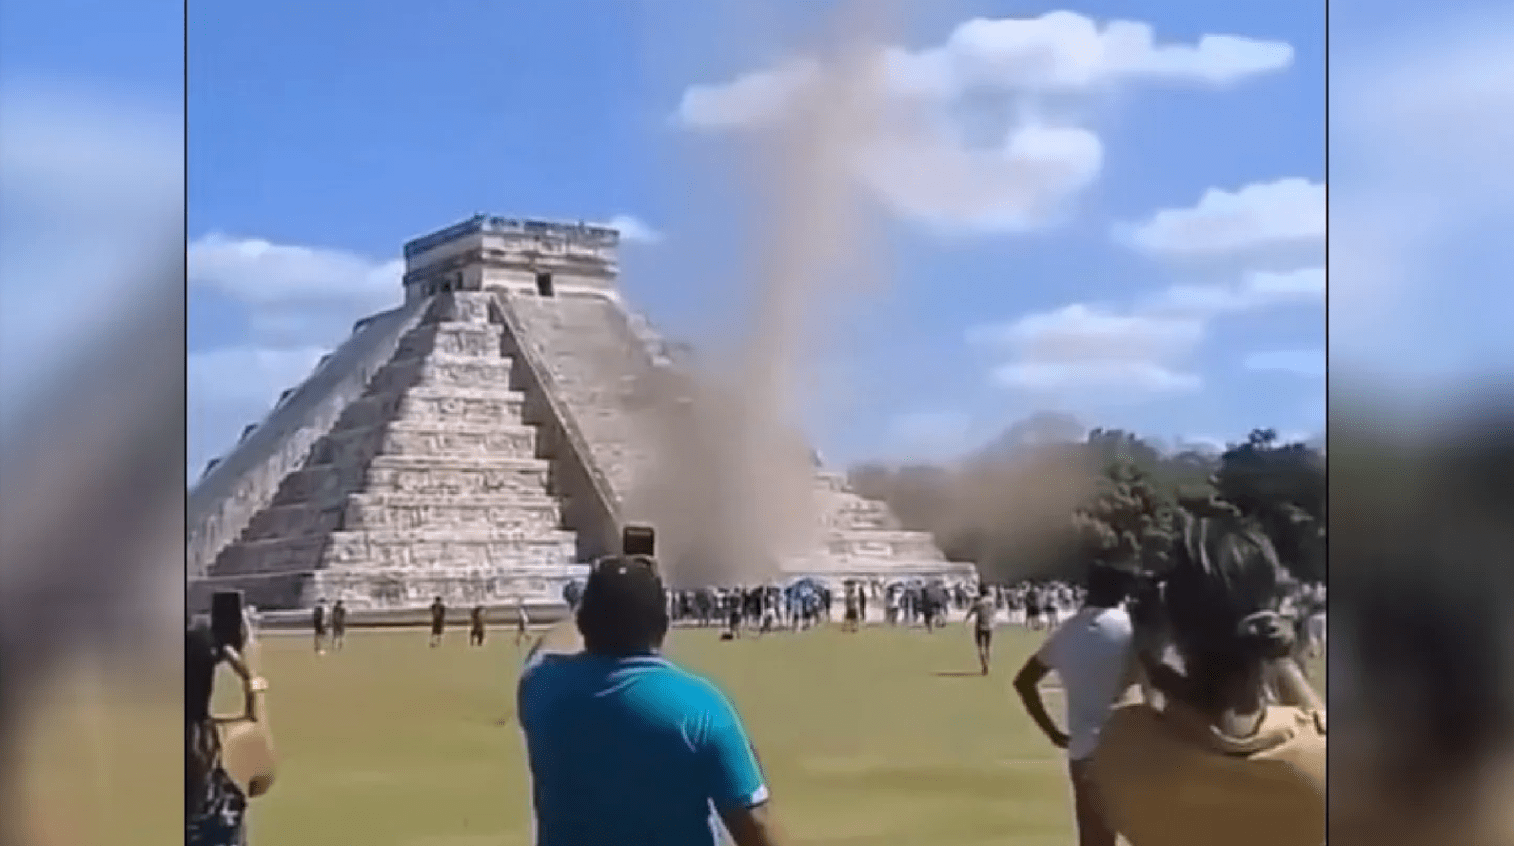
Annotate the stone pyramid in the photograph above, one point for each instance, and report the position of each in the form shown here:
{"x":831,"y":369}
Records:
{"x":477,"y":443}
{"x":429,"y":482}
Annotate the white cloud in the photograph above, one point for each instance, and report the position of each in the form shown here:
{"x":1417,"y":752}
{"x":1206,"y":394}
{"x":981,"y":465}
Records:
{"x":1256,"y":290}
{"x":1020,"y":185}
{"x":1310,"y":363}
{"x":753,"y":98}
{"x":1081,"y":346}
{"x":1119,"y":377}
{"x":234,"y":387}
{"x":1081,"y":331}
{"x":1066,"y":51}
{"x":299,"y":302}
{"x":1264,"y":215}
{"x":1144,"y":349}
{"x":1058,"y":51}
{"x":913,"y":158}
{"x":262,"y":274}
{"x":249,"y":373}
{"x":634,"y":230}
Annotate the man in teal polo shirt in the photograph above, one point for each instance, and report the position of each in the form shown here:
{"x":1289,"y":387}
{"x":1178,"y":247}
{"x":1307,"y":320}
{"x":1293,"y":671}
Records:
{"x":625,"y":747}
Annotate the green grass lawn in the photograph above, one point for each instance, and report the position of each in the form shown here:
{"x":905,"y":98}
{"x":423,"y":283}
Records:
{"x":884,"y":738}
{"x":888,"y":737}
{"x":863,"y":738}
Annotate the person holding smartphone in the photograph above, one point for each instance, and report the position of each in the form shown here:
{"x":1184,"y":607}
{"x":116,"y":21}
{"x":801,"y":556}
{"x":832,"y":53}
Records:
{"x":228,"y":760}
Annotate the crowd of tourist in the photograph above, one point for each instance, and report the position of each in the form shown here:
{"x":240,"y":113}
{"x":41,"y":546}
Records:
{"x":803,"y":603}
{"x":1197,"y":670}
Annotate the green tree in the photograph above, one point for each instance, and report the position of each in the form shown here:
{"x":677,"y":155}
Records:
{"x":1131,"y":523}
{"x":1281,"y":486}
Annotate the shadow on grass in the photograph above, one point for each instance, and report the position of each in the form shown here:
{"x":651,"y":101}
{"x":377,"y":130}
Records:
{"x":959,"y":674}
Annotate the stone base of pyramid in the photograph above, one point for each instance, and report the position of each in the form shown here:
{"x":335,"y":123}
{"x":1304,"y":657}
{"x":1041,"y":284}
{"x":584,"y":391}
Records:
{"x":384,"y":591}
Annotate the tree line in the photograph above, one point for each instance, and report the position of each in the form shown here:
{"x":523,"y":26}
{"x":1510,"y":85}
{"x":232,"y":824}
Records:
{"x":1045,"y":500}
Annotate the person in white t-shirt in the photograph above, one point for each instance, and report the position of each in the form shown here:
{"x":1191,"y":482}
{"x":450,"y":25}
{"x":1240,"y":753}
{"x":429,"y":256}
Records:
{"x":1092,"y":654}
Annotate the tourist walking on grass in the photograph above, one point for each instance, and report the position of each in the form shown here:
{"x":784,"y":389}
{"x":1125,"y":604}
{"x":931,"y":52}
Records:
{"x":624,"y":746}
{"x":1215,"y":763}
{"x":338,"y":625}
{"x":1091,"y":654}
{"x":478,"y":629}
{"x":438,"y":621}
{"x":318,"y":625}
{"x":981,"y":617}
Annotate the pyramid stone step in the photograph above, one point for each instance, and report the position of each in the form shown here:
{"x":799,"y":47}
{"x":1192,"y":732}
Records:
{"x":397,"y":374}
{"x":475,"y":406}
{"x":429,"y":438}
{"x":448,"y":372}
{"x":454,"y":338}
{"x":319,"y":483}
{"x":271,"y":555}
{"x":421,"y":404}
{"x":402,"y":512}
{"x":435,"y":549}
{"x":443,"y":475}
{"x":460,"y":371}
{"x":460,"y":439}
{"x":297,"y":519}
{"x":500,"y":391}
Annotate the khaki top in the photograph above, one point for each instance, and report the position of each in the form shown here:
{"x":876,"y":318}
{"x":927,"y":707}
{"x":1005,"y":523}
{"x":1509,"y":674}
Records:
{"x":1168,"y":778}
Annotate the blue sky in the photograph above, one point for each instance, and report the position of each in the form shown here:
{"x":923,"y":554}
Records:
{"x":324,"y":134}
{"x":344,"y":134}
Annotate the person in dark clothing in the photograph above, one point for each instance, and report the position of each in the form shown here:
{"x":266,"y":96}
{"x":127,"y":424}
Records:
{"x":338,"y":625}
{"x":476,"y":626}
{"x":438,"y":621}
{"x":318,"y":624}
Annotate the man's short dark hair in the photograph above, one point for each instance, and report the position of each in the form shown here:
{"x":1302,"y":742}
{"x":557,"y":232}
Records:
{"x":624,"y":606}
{"x":1107,"y":585}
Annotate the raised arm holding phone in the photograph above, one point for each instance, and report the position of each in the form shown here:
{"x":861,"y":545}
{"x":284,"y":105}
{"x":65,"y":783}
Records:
{"x":228,"y":759}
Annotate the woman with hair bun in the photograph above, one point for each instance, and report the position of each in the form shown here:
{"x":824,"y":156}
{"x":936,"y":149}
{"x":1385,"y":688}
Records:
{"x":1217,"y":761}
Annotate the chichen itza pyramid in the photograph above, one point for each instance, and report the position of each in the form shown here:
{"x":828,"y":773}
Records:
{"x":474,"y":443}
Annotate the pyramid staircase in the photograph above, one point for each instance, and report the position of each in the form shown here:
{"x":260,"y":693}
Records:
{"x":429,"y":484}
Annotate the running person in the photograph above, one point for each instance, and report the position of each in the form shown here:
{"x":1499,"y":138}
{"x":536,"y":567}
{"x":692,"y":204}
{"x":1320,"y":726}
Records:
{"x":850,"y":623}
{"x":438,"y":621}
{"x":981,"y":617}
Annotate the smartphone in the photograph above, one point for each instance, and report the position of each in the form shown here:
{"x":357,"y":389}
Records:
{"x":638,"y":540}
{"x":227,"y":623}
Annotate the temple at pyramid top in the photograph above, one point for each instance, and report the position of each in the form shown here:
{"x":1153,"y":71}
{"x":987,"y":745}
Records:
{"x":486,"y":438}
{"x":527,"y":256}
